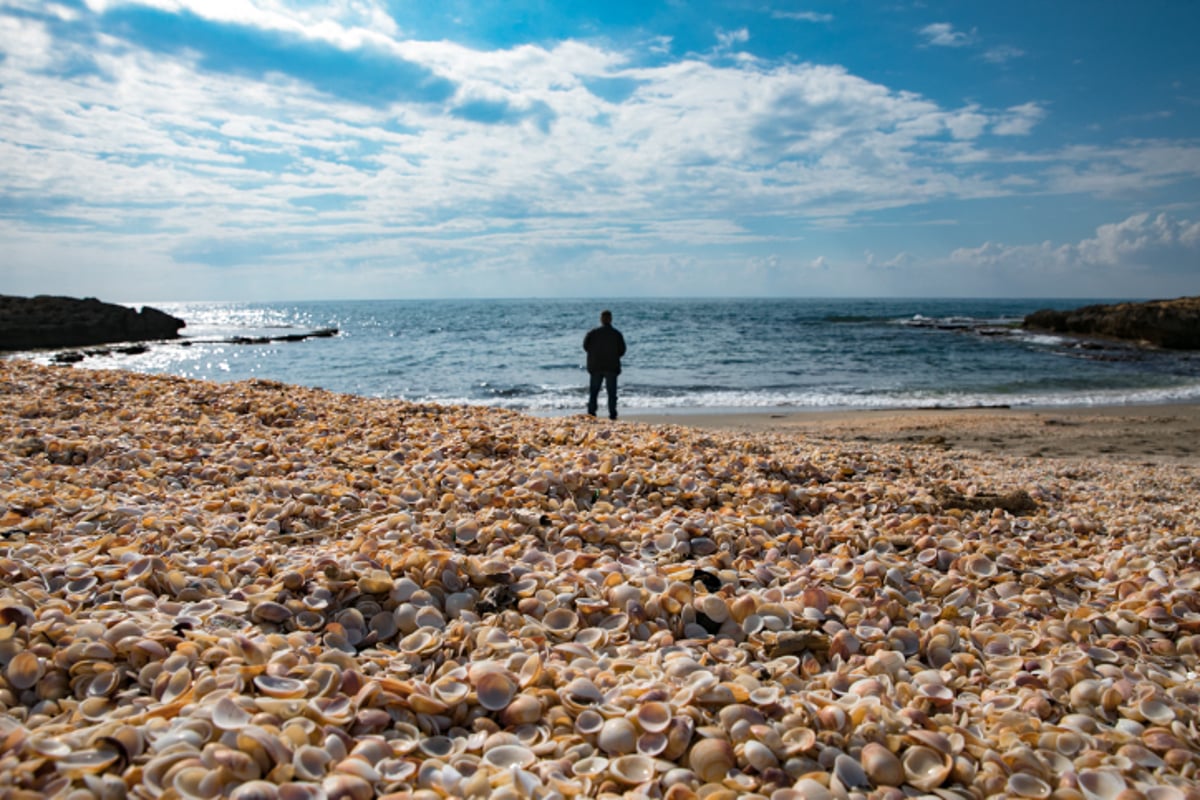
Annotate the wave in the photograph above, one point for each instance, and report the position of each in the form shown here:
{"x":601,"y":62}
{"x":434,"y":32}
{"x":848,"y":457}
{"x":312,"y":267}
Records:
{"x":762,"y":400}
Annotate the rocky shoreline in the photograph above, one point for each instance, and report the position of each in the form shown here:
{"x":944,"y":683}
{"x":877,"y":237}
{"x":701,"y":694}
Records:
{"x":47,"y":322}
{"x":1169,"y":324}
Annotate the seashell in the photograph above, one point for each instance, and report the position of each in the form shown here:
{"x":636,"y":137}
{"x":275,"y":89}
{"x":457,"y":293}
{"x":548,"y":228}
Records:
{"x":422,"y":641}
{"x":255,"y":790}
{"x":341,"y":786}
{"x":93,"y":761}
{"x":196,"y":783}
{"x":1155,"y":710}
{"x":589,"y":722}
{"x":525,"y":709}
{"x":979,"y":566}
{"x":713,"y":606}
{"x":240,"y":765}
{"x":438,"y":747}
{"x":632,"y":770}
{"x":561,"y":622}
{"x":24,"y":670}
{"x":711,"y":759}
{"x":1101,"y":784}
{"x":652,"y":744}
{"x":274,"y":686}
{"x":925,"y":768}
{"x":580,"y":693}
{"x":881,"y":765}
{"x":590,"y":766}
{"x":509,"y":756}
{"x":311,"y":763}
{"x":49,"y":748}
{"x":617,"y":736}
{"x":229,"y":716}
{"x":805,"y":789}
{"x":270,"y":612}
{"x":495,"y":690}
{"x":848,"y":774}
{"x":375,"y":582}
{"x":759,"y":756}
{"x":450,"y":690}
{"x":653,"y":716}
{"x":1023,"y":784}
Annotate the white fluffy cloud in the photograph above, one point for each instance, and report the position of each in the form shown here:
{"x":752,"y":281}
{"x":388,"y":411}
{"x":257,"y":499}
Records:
{"x":1140,"y":250}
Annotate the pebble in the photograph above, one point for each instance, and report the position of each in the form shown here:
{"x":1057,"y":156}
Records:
{"x":256,"y":590}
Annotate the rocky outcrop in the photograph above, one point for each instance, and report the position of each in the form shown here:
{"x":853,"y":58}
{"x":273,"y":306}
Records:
{"x":1172,"y":324}
{"x":30,"y":323}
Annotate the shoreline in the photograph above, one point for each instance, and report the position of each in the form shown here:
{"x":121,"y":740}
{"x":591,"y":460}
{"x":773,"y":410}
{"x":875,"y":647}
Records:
{"x":1152,"y":432}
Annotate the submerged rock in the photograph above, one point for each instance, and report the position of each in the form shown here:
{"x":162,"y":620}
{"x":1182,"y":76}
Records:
{"x":1172,"y":324}
{"x":44,"y":321}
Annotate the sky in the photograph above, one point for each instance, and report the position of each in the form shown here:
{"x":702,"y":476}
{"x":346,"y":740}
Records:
{"x":278,"y":150}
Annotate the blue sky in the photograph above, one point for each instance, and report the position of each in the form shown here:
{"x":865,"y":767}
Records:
{"x":155,"y":150}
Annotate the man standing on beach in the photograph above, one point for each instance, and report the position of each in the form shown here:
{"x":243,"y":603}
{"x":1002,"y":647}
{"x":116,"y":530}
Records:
{"x":604,"y":345}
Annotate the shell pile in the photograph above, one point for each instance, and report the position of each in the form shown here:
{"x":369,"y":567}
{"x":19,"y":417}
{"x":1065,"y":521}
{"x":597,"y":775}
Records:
{"x":263,"y":591}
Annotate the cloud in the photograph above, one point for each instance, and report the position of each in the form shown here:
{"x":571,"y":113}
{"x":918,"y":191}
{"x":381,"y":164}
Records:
{"x":206,"y":134}
{"x":1132,"y":249}
{"x":802,"y":16}
{"x":942,"y":34}
{"x":350,"y":63}
{"x":727,"y":40}
{"x":1018,"y":120}
{"x":1002,"y":54}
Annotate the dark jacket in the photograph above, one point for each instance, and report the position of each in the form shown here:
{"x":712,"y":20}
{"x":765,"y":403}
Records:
{"x":604,"y":345}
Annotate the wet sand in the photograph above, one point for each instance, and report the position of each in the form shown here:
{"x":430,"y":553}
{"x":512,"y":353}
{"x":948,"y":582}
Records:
{"x":1150,"y":433}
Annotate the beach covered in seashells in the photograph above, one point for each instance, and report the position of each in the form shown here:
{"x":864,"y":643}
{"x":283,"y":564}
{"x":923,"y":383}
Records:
{"x":257,"y":590}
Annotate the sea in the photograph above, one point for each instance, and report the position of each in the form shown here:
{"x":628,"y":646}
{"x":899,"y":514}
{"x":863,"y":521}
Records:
{"x":693,"y":355}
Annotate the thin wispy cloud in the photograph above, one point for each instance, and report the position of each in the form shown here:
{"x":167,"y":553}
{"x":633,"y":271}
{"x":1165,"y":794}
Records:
{"x":943,"y":34}
{"x":802,"y":16}
{"x":1002,"y":54}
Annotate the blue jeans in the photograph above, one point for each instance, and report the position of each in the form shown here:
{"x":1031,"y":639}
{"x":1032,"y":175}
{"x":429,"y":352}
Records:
{"x":609,"y":379}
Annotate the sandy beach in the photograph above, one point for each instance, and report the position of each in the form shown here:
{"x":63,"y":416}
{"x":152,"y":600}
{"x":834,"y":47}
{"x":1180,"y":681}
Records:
{"x":1150,"y":433}
{"x":255,"y":590}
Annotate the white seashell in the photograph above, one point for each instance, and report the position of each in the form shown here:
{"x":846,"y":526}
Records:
{"x":229,"y":716}
{"x":1101,"y":784}
{"x":311,"y":763}
{"x":508,"y":756}
{"x":1023,"y":784}
{"x":712,"y":759}
{"x":632,"y":770}
{"x":653,"y":716}
{"x":590,"y":766}
{"x":881,"y":765}
{"x":617,"y":736}
{"x":759,"y":756}
{"x":495,"y":690}
{"x":279,"y":687}
{"x":925,"y":768}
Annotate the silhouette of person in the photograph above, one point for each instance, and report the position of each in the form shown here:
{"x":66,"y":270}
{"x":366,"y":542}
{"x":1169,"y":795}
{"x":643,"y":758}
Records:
{"x":604,"y":345}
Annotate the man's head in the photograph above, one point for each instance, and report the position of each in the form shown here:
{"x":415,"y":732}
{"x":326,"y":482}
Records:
{"x":606,"y":317}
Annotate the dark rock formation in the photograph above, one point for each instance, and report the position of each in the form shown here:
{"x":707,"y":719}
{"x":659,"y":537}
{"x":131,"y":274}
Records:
{"x":1172,"y":324}
{"x":30,"y":323}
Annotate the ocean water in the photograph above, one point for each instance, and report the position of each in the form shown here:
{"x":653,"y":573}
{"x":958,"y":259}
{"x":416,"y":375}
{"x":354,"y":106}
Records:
{"x":692,"y":354}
